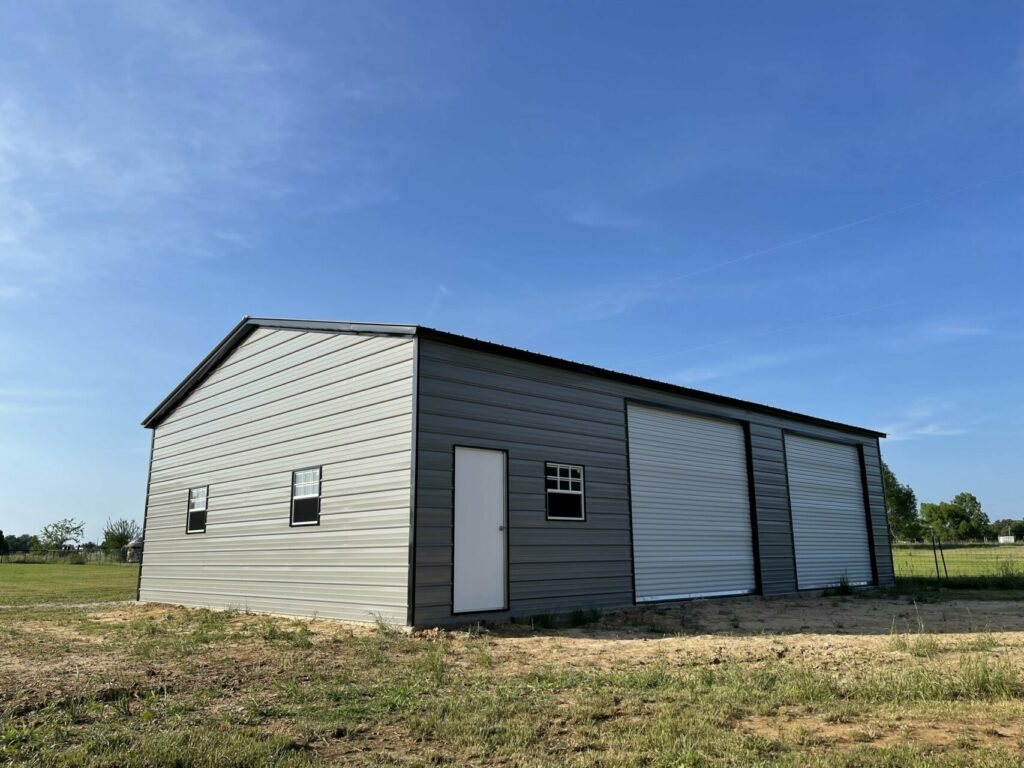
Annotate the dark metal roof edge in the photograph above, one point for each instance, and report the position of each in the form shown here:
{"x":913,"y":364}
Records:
{"x":629,"y":378}
{"x":387,"y":329}
{"x":238,"y":334}
{"x":198,"y":373}
{"x":248,"y":324}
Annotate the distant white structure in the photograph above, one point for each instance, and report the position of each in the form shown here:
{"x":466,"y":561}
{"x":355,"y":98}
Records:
{"x":1008,"y":539}
{"x":133,"y":551}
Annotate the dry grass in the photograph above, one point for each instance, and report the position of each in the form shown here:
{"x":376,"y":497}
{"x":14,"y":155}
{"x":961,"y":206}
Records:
{"x":797,"y":682}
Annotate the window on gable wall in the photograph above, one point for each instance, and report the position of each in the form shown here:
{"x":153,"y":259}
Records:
{"x":563,"y":487}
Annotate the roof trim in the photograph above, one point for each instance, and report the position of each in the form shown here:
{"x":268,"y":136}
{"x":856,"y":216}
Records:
{"x":248,"y":324}
{"x":629,"y":378}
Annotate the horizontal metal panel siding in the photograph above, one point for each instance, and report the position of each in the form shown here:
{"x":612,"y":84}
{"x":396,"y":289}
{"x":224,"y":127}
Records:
{"x":829,"y":517}
{"x":879,"y":517}
{"x":691,"y":506}
{"x":281,"y":401}
{"x":474,"y":397}
{"x":553,"y":565}
{"x":771,"y":503}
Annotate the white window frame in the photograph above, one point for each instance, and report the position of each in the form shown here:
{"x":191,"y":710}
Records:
{"x":569,"y":480}
{"x":194,"y":507}
{"x":296,"y":497}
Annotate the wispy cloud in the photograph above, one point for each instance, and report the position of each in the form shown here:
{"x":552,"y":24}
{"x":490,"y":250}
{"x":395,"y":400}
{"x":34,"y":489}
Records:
{"x":356,"y":194}
{"x":951,"y":330}
{"x":936,"y":332}
{"x":733,"y":366}
{"x":595,"y":217}
{"x":113,"y":174}
{"x":22,"y":400}
{"x":599,"y":304}
{"x":390,"y":90}
{"x":657,"y":287}
{"x":437,"y":300}
{"x":810,"y":323}
{"x":167,"y":146}
{"x":927,"y":418}
{"x":13,"y":292}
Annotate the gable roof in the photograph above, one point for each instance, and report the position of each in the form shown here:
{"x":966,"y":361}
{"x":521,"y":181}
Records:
{"x":247,"y":325}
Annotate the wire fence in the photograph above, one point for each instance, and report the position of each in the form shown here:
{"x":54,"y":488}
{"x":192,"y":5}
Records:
{"x":959,"y":565}
{"x":69,"y":556}
{"x":983,"y":565}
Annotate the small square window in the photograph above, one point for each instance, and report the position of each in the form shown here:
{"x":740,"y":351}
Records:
{"x":306,"y":497}
{"x":195,"y":516}
{"x":563,"y":488}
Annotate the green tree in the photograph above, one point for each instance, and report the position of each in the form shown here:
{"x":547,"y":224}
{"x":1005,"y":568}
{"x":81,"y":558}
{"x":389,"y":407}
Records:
{"x":902,"y":505}
{"x":23,"y":543}
{"x":117,"y":533}
{"x":3,"y":545}
{"x":61,"y":533}
{"x":961,"y":519}
{"x":1008,"y":527}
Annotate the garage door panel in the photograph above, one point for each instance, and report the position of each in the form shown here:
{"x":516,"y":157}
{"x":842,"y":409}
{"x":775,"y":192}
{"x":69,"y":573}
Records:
{"x":697,"y":442}
{"x":668,"y":496}
{"x":690,"y":504}
{"x":829,"y":518}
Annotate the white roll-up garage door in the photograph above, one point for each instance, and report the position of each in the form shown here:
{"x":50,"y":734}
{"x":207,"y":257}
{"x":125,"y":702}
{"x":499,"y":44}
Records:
{"x":829,"y":518}
{"x":691,"y":506}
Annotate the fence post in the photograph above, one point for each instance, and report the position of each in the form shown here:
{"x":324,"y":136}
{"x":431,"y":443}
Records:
{"x":942,"y":554}
{"x":935,"y":554}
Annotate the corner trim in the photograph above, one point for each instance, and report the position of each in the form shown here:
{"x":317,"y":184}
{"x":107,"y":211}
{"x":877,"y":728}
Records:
{"x":752,"y":495}
{"x":629,"y":500}
{"x":789,"y":506}
{"x":867,"y":515}
{"x":413,"y":485}
{"x":885,"y":508}
{"x":145,"y":516}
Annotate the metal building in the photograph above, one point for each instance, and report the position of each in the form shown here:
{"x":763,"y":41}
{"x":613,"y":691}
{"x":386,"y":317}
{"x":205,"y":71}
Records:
{"x":405,"y":474}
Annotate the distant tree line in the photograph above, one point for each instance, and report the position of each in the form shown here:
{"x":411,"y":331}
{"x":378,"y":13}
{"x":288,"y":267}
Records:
{"x":960,"y":519}
{"x":68,"y":534}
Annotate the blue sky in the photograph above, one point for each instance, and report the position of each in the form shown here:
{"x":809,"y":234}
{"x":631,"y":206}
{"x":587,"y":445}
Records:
{"x":813,"y":205}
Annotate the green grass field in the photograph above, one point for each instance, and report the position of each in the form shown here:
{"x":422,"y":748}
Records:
{"x":978,"y":562}
{"x":27,"y":583}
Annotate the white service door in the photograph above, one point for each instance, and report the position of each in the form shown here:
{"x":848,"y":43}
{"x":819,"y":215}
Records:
{"x":830,"y":529}
{"x":692,"y":533}
{"x":479,"y":530}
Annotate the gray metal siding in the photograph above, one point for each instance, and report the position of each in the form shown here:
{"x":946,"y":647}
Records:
{"x":541,"y":413}
{"x":771,"y":502}
{"x":553,"y":565}
{"x":281,"y":401}
{"x":879,"y":517}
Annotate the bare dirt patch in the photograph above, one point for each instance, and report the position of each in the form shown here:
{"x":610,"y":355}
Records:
{"x":825,"y":633}
{"x":815,"y":730}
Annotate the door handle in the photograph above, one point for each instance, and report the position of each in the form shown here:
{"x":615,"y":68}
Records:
{"x":501,"y":527}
